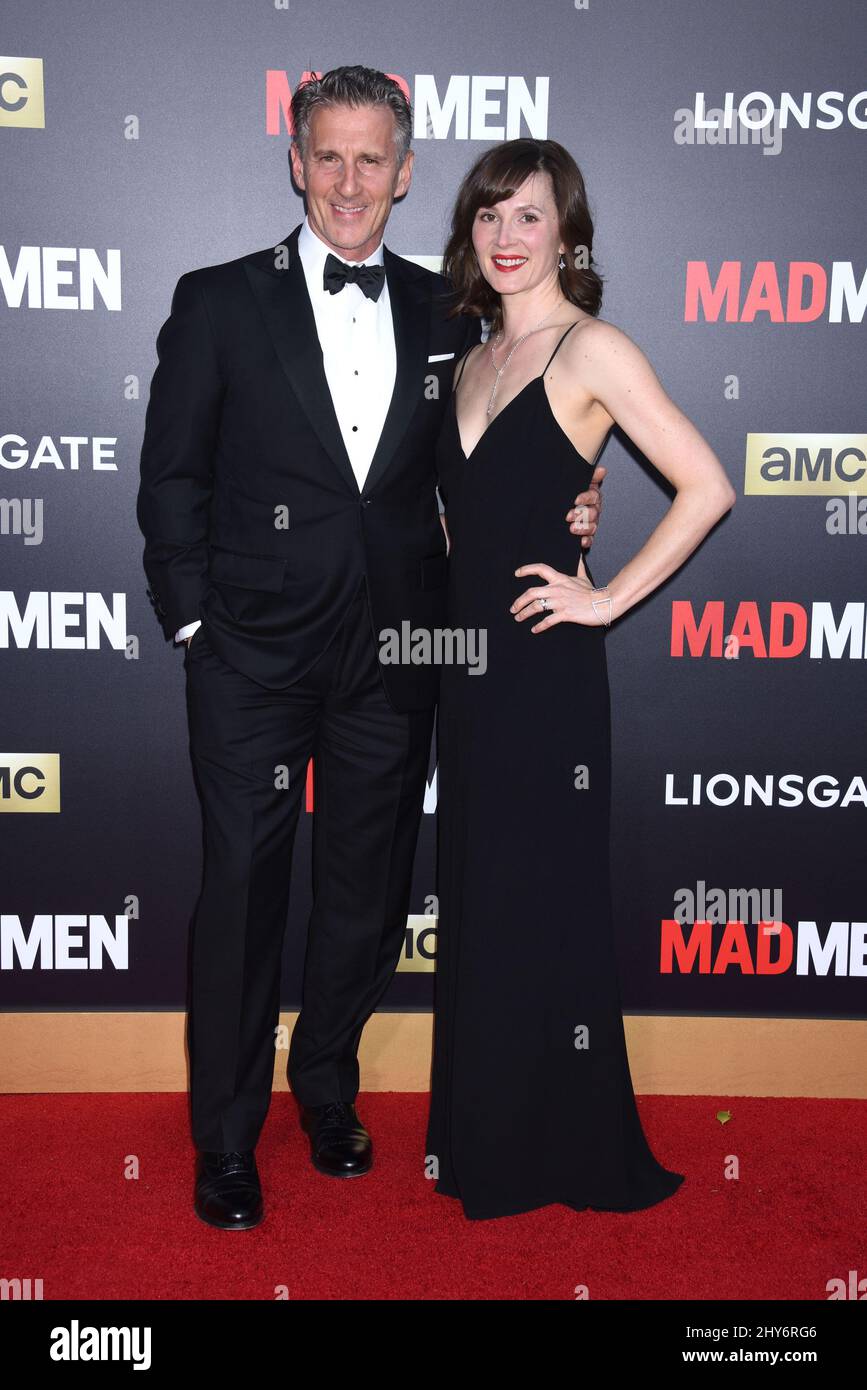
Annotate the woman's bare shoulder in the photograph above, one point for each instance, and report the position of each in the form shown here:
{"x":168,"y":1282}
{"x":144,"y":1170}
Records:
{"x":598,"y":335}
{"x":602,"y":348}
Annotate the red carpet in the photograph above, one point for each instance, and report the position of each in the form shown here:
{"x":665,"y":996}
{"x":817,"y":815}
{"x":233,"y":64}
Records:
{"x":795,"y":1219}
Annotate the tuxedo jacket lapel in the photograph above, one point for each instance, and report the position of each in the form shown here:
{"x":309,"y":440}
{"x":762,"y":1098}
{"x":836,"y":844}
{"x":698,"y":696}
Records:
{"x":276,"y":277}
{"x":277,"y":280}
{"x":408,"y":296}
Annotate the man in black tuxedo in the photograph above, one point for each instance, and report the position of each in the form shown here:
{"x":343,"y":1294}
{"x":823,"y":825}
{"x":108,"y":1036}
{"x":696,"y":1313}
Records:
{"x":289,"y":511}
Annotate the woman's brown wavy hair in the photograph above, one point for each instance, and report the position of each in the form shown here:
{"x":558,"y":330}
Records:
{"x":498,"y":174}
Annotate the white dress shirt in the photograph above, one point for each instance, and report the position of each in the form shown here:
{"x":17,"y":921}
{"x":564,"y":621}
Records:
{"x":356,"y":336}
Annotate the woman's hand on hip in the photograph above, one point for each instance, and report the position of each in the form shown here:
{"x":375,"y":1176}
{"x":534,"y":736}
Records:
{"x":564,"y":598}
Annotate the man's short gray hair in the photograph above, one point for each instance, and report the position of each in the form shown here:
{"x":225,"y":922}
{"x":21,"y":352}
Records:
{"x":352,"y":86}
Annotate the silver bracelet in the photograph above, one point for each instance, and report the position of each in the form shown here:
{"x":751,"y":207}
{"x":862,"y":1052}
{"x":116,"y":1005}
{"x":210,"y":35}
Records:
{"x":602,"y":589}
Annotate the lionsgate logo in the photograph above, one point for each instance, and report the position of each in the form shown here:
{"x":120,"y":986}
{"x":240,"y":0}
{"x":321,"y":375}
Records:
{"x":438,"y":646}
{"x":760,"y":113}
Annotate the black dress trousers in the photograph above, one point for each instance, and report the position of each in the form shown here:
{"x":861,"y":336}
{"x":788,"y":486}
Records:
{"x":250,"y":748}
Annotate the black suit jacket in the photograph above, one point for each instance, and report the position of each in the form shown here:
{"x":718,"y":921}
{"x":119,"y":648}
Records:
{"x":241,"y":431}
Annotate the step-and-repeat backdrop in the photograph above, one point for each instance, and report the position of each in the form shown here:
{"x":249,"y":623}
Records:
{"x":723,"y":150}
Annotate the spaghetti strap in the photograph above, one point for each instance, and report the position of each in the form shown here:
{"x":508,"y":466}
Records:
{"x":557,"y":348}
{"x":461,"y":365}
{"x":463,"y":362}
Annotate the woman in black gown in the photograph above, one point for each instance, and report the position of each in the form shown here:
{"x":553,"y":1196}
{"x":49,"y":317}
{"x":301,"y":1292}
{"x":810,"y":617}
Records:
{"x":532,"y":1100}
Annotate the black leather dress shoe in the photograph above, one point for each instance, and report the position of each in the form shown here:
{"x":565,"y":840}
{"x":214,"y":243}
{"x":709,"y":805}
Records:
{"x":228,"y":1193}
{"x":339,"y":1144}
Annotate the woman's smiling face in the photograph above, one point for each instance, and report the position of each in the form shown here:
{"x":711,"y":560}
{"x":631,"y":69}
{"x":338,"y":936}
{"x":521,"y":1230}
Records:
{"x":517,"y":241}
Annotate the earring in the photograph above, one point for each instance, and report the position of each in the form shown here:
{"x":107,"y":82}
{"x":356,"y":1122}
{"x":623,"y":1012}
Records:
{"x":562,"y":265}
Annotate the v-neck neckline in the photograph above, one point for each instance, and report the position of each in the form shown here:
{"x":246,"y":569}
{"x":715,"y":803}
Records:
{"x":489,"y":427}
{"x":517,"y":396}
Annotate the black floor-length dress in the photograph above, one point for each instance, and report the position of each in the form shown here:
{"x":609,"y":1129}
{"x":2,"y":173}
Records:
{"x":532,"y":1100}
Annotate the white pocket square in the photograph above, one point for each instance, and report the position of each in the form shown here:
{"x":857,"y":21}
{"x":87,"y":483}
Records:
{"x":441,"y":357}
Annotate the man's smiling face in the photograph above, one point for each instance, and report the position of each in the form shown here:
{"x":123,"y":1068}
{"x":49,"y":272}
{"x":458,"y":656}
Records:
{"x":351,"y":176}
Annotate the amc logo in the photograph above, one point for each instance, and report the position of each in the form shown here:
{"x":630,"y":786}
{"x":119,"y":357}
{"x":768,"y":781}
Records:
{"x":806,"y":465}
{"x":29,"y":781}
{"x":22,"y":94}
{"x":419,"y":944}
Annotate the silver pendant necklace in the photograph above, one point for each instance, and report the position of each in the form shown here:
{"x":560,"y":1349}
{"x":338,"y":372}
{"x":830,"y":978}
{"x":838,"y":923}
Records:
{"x":499,"y":370}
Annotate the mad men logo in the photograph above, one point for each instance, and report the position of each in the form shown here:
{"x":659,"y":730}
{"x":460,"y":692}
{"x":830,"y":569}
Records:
{"x":22,"y":93}
{"x":63,"y":621}
{"x":73,"y":942}
{"x":60,"y":277}
{"x":29,"y":782}
{"x":769,"y":948}
{"x":800,"y":292}
{"x":455,"y":108}
{"x":781,"y":630}
{"x":806,"y":464}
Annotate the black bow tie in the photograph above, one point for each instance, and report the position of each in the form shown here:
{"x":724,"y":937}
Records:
{"x":369,"y":278}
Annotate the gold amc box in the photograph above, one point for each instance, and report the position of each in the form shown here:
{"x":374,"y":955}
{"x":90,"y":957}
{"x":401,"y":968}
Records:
{"x":806,"y":465}
{"x":419,"y":944}
{"x":29,"y":782}
{"x":22,"y":95}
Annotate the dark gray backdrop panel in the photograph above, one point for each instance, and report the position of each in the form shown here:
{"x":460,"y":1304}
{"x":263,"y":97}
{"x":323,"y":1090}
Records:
{"x":204,"y":182}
